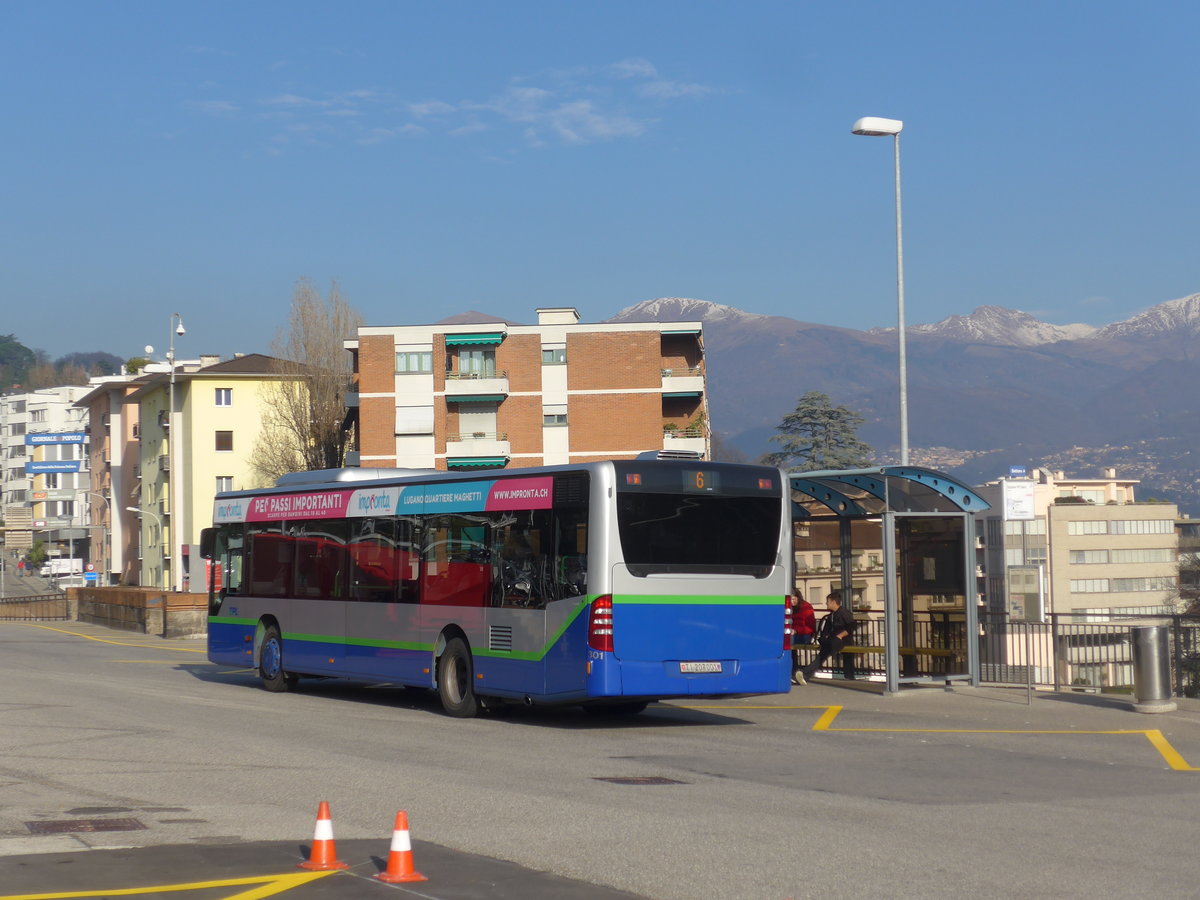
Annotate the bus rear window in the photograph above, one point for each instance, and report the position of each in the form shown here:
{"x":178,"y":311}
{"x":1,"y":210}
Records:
{"x":715,"y":534}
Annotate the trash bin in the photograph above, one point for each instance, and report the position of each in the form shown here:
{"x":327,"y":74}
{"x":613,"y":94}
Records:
{"x":1151,"y":669}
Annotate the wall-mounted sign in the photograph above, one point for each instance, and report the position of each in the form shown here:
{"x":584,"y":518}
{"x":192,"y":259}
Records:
{"x":64,"y":465}
{"x":60,"y":437}
{"x":39,"y":496}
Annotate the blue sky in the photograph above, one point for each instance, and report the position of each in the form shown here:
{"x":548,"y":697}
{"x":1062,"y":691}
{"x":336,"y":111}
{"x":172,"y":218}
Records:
{"x":438,"y":157}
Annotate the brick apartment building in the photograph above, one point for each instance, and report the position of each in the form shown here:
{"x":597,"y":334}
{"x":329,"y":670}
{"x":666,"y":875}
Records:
{"x":493,"y":394}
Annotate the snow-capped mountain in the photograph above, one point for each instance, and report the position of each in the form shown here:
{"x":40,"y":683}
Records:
{"x":998,"y":325}
{"x":1174,"y":316}
{"x":683,"y":309}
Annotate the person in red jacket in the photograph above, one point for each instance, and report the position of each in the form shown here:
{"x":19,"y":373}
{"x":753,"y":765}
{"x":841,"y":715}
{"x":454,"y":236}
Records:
{"x":804,"y":625}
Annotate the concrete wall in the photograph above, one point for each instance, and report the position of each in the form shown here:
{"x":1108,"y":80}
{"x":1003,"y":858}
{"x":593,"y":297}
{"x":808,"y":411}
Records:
{"x":140,"y":610}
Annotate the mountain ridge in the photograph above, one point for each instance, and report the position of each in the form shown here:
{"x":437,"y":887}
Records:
{"x":995,"y":386}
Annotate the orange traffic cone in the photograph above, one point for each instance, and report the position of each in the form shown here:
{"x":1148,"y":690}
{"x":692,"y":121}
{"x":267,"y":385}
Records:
{"x":324,"y":854}
{"x":400,"y":858}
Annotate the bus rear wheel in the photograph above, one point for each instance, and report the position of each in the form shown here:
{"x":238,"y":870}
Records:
{"x":455,"y":680}
{"x":270,"y":663}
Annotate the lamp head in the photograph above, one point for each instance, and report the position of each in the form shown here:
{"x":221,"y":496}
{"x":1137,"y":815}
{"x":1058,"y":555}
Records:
{"x":133,"y":509}
{"x":179,"y":329}
{"x":873,"y":126}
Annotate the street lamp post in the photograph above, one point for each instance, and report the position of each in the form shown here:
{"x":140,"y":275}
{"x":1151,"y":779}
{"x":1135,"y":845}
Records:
{"x":873,"y":126}
{"x":166,"y":587}
{"x":104,"y":530}
{"x":161,"y":534}
{"x":172,"y":461}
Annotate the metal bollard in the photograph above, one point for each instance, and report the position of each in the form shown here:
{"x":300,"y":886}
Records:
{"x":1151,"y":669}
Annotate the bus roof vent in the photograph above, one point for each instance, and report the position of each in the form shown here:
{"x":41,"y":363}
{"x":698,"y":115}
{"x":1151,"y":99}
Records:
{"x":671,"y":454}
{"x":330,"y":476}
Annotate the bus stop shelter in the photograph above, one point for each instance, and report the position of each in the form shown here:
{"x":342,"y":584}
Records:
{"x":924,"y":523}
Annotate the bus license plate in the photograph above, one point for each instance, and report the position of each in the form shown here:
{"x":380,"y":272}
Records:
{"x":694,"y":667}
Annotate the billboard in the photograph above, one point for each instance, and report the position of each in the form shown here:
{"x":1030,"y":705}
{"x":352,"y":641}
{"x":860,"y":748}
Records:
{"x":1018,"y":501}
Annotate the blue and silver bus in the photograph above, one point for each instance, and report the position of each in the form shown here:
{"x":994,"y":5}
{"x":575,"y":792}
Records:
{"x":607,"y":584}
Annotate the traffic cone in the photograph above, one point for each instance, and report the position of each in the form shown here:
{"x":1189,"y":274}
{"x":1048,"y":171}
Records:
{"x":324,"y":853}
{"x":400,"y":858}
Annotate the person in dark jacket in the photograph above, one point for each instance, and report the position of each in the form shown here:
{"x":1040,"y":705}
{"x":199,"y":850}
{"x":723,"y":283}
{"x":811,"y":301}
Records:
{"x":833,"y":635}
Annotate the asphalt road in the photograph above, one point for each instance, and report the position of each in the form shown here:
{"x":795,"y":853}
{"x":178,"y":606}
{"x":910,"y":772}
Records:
{"x":830,"y":791}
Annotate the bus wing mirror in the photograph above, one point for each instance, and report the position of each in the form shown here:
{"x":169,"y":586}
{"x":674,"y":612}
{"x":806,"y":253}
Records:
{"x":208,"y":539}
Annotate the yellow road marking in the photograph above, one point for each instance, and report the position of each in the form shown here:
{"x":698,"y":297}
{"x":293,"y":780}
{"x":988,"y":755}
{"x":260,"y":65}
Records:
{"x":267,"y":886}
{"x":106,"y":641}
{"x":1170,"y":755}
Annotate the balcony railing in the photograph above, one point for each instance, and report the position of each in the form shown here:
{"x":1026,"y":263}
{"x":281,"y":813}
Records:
{"x":696,"y":432}
{"x":682,"y":372}
{"x":474,"y":376}
{"x":477,"y":436}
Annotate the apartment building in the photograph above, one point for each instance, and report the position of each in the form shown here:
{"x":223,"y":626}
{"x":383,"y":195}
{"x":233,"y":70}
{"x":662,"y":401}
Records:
{"x":494,"y":394}
{"x":45,"y":468}
{"x":1084,"y":546}
{"x":218,"y":414}
{"x":114,"y":457}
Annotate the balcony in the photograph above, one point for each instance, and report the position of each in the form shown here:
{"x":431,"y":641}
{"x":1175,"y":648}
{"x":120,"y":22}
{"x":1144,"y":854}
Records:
{"x":683,"y":381}
{"x":684,"y":439}
{"x":476,"y":387}
{"x":164,"y":463}
{"x":350,"y":399}
{"x":478,"y":444}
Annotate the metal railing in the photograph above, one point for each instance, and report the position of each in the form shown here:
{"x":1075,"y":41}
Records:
{"x":1061,"y":653}
{"x":682,"y":372}
{"x":477,"y":436}
{"x":683,"y":432}
{"x":1067,"y":654}
{"x":38,"y":608}
{"x":468,"y":376}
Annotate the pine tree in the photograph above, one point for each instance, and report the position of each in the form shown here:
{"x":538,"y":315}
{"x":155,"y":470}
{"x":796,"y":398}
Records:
{"x":818,"y":436}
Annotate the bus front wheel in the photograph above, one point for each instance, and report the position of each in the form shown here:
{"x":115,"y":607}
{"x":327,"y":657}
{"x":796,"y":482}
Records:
{"x":270,"y":663}
{"x":455,"y":672}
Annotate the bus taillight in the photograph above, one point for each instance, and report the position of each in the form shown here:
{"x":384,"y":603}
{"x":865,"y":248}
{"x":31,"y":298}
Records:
{"x":600,"y":624}
{"x":787,"y":627}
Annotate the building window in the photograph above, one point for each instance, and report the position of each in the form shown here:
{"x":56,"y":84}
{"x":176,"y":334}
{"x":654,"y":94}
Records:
{"x":479,"y":363}
{"x":224,"y":441}
{"x":1088,"y":557}
{"x":1163,"y":583}
{"x":224,"y":396}
{"x":554,"y":356}
{"x":1148,"y":555}
{"x":1143,"y":526}
{"x":1087,"y":527}
{"x":224,"y":483}
{"x":554,"y":419}
{"x":1089,"y":585}
{"x":414,"y":363}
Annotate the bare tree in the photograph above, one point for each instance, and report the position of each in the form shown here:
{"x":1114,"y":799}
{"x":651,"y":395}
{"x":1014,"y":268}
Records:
{"x":305,"y":405}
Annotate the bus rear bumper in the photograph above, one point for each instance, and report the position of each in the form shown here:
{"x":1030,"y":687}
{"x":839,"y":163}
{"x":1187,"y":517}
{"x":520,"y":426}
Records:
{"x":672,"y":678}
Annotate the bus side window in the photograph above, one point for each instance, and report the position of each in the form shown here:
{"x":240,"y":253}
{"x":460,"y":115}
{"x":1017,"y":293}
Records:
{"x":374,"y":560}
